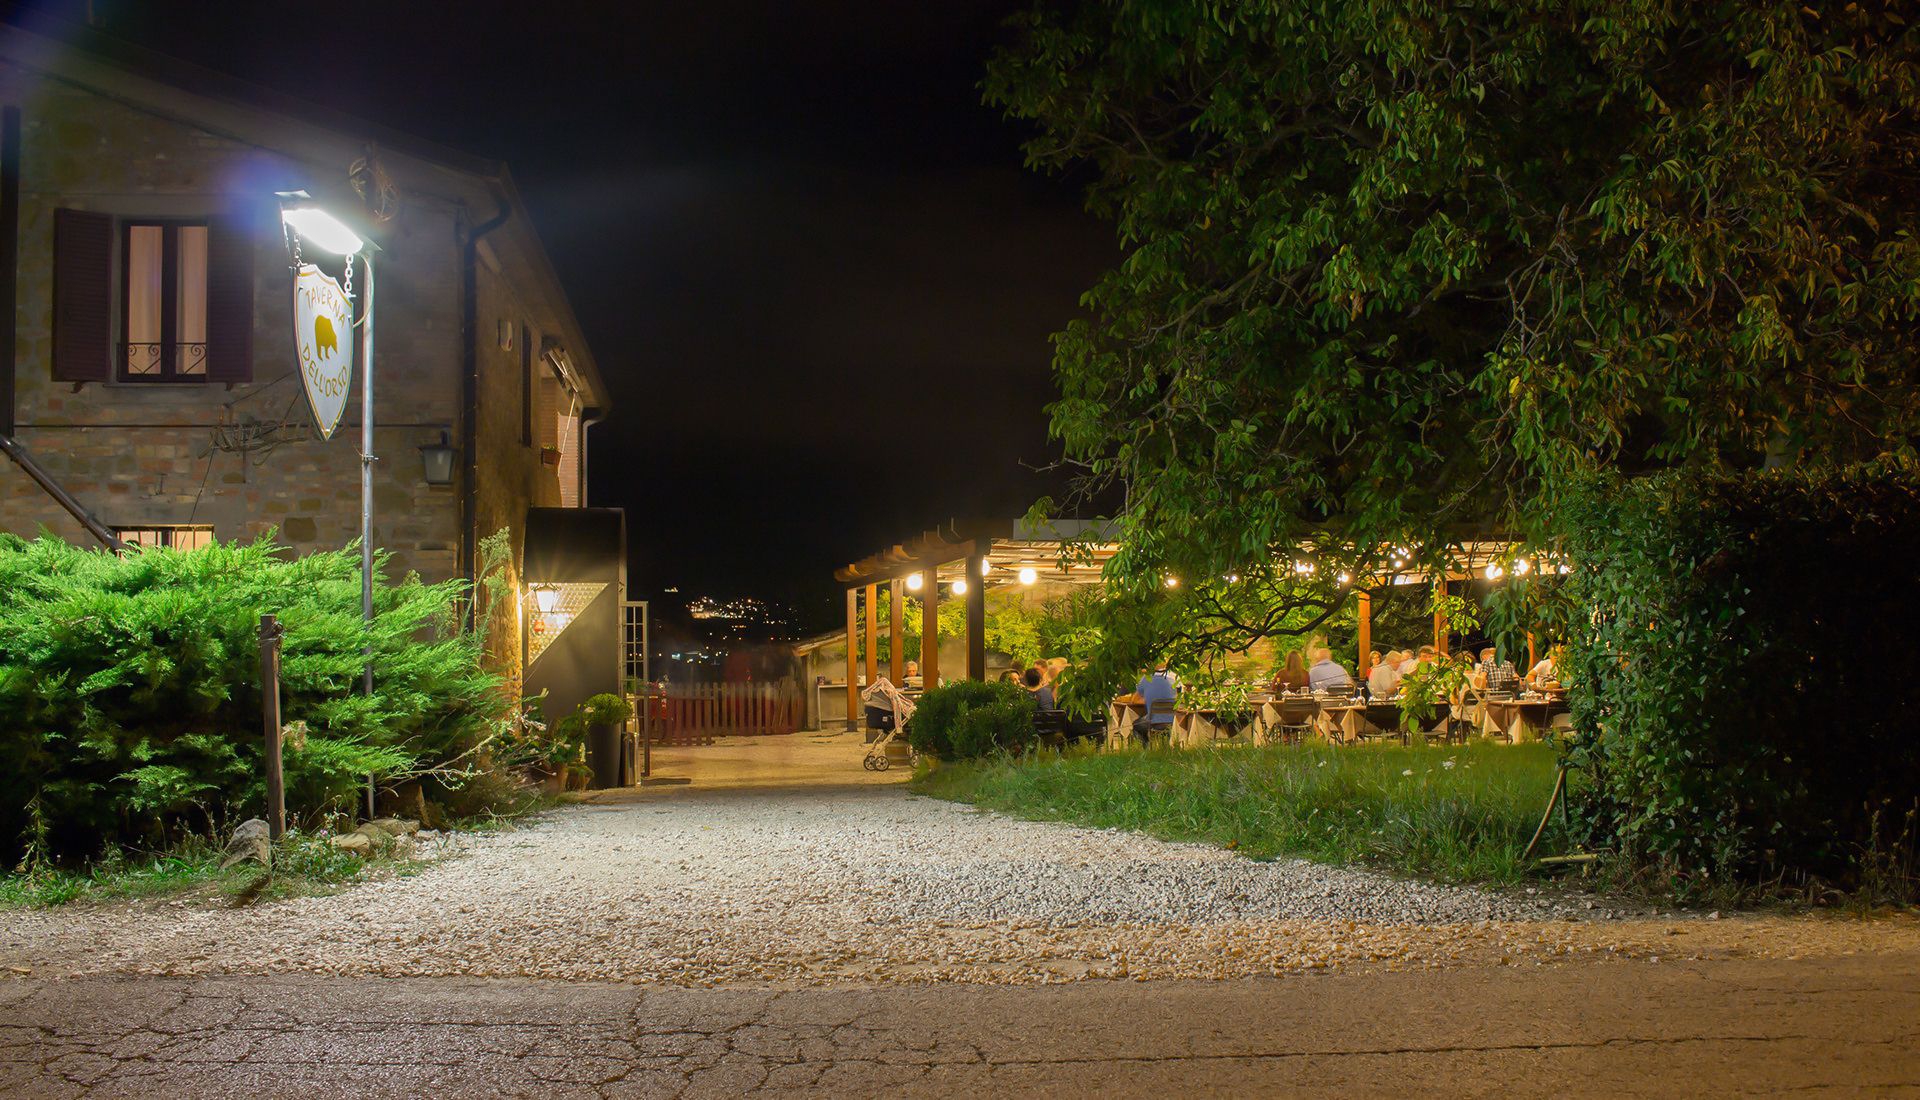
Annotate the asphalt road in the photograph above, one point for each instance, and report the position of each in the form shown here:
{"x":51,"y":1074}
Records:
{"x":1635,"y":1028}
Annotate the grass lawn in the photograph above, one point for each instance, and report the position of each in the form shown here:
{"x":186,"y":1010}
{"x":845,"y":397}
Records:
{"x":1461,"y":814}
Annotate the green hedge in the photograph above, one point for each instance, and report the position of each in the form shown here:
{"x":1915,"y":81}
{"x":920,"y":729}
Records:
{"x":971,"y":719}
{"x":129,"y":688}
{"x":1745,"y":709}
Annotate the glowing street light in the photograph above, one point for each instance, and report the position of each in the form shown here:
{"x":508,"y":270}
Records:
{"x":307,"y":221}
{"x":322,"y":230}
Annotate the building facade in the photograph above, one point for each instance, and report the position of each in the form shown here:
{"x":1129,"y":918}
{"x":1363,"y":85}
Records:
{"x":151,"y":369}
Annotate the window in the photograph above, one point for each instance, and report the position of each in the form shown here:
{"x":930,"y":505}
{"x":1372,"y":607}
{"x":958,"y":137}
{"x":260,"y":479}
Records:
{"x":163,"y":302}
{"x":177,"y":536}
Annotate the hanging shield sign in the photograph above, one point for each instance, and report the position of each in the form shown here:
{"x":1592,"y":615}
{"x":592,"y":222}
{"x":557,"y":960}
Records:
{"x":323,"y":338}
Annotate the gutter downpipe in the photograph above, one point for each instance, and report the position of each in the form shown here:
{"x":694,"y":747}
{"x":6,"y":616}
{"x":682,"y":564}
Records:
{"x":586,"y":452}
{"x":470,"y":396}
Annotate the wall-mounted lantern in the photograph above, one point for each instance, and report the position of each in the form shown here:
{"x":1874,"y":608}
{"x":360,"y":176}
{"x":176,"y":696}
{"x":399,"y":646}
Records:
{"x":436,"y":461}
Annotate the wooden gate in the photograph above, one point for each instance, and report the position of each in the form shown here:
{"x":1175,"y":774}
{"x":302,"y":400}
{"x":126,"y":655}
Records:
{"x":701,"y":712}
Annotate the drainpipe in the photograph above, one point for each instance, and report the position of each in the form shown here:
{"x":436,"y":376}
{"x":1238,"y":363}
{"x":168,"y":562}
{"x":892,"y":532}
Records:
{"x":98,"y":530}
{"x":470,"y":396}
{"x":586,"y":423}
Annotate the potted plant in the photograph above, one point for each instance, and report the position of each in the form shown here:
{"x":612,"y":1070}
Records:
{"x":602,"y":719}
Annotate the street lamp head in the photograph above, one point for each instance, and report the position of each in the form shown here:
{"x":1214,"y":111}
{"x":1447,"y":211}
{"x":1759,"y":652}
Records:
{"x":322,"y":230}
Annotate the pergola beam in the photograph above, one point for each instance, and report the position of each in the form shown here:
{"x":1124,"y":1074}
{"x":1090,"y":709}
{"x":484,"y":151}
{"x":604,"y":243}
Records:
{"x":976,"y":615}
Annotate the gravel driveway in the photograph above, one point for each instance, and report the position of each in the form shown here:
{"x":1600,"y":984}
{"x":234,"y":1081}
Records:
{"x":826,"y":881}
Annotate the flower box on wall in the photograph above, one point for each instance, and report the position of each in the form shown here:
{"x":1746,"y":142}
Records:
{"x":550,"y":456}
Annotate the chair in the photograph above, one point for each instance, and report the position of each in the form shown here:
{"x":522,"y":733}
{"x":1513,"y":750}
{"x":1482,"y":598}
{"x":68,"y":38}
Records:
{"x":1295,"y":719}
{"x":1051,"y":725}
{"x":1159,"y":717}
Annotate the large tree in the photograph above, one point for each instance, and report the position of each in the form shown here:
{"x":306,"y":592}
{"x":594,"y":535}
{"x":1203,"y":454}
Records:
{"x":1395,"y":269}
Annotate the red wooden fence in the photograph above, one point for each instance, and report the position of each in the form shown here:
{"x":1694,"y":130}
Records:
{"x":696,"y":711}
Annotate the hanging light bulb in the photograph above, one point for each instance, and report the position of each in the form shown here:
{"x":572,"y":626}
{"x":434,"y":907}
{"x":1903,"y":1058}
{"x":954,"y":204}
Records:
{"x":1520,"y":567}
{"x":1173,"y":581}
{"x":1028,"y":574}
{"x":985,"y":567}
{"x":960,"y":586}
{"x":1345,"y":578}
{"x":914,"y":582}
{"x":1494,"y":572}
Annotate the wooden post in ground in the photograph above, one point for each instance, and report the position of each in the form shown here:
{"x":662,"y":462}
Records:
{"x":873,"y":633}
{"x":1440,"y":618}
{"x":976,"y":616}
{"x":853,"y":655}
{"x":896,"y":631}
{"x":270,"y":632}
{"x":930,"y":627}
{"x":1365,"y":617}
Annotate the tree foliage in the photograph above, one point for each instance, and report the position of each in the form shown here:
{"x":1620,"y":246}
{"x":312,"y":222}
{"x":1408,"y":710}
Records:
{"x":1394,"y":269}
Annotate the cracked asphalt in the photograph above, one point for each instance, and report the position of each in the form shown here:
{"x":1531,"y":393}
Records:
{"x":728,"y":937}
{"x":1732,"y":1027}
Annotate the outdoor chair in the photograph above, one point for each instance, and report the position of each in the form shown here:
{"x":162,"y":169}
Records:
{"x":1295,"y":719}
{"x":1051,"y":725}
{"x":1159,"y":719}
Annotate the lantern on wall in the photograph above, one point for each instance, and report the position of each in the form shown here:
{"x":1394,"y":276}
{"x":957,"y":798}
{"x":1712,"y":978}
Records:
{"x":436,"y":461}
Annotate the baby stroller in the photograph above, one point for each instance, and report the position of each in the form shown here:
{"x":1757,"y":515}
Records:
{"x":881,"y":697}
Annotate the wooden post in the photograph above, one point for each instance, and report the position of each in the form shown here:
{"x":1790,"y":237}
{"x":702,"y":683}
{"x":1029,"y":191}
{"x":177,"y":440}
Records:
{"x":1531,"y":659}
{"x":873,"y":633}
{"x":1365,"y":663}
{"x":1440,"y":619}
{"x":270,"y":631}
{"x":930,"y":627}
{"x":853,"y":654}
{"x":976,"y":617}
{"x":896,"y":631}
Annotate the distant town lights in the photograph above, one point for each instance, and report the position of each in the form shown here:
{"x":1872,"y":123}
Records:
{"x":322,"y":229}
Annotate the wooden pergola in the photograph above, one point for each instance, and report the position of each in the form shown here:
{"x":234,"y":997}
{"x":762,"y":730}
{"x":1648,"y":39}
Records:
{"x":995,"y":554}
{"x":977,"y":556}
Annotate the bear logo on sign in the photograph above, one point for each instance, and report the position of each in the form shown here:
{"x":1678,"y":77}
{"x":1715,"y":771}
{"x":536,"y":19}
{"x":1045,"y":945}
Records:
{"x":323,"y":337}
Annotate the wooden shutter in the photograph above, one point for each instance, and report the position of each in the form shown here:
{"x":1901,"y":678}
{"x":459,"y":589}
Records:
{"x":82,"y":296}
{"x":229,"y":300}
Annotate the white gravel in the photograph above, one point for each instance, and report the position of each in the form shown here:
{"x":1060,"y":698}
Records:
{"x":806,"y":886}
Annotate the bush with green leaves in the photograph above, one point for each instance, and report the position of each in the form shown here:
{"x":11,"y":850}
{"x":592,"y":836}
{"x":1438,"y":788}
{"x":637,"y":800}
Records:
{"x":130,"y":701}
{"x":1742,"y":710}
{"x":971,"y":718}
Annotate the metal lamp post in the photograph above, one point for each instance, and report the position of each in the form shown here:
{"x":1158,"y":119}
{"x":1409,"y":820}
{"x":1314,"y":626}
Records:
{"x":324,"y":231}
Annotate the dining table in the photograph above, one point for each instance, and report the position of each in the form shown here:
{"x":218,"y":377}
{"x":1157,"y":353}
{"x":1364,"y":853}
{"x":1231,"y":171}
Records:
{"x":1122,"y":712}
{"x":1524,"y":718}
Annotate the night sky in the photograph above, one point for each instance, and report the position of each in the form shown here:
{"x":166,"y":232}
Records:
{"x":811,"y":266}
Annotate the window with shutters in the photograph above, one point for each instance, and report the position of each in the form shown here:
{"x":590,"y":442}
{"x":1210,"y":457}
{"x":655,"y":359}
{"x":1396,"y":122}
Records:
{"x":163,"y":302}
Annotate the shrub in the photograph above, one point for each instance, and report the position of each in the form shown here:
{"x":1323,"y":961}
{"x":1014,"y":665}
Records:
{"x":1741,"y":709}
{"x":129,"y":688}
{"x":969,"y":719}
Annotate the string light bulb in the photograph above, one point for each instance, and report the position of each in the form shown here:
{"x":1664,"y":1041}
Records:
{"x":1028,"y":574}
{"x":960,"y":586}
{"x":914,"y":581}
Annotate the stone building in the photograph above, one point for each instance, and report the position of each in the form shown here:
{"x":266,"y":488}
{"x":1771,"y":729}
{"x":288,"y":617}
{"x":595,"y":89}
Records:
{"x":149,"y":367}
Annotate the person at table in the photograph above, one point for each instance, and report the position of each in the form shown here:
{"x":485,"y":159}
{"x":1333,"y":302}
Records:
{"x":1492,"y":674}
{"x":1383,"y":679}
{"x":1158,"y":686}
{"x":1291,"y":677}
{"x":911,"y":676}
{"x":1327,"y":674}
{"x":1427,"y":655}
{"x":1545,"y":676}
{"x":1039,"y":689}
